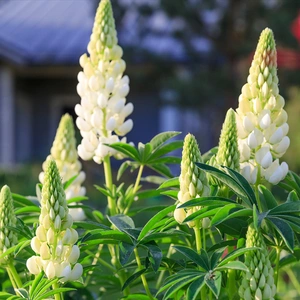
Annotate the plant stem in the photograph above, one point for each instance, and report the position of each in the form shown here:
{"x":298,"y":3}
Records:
{"x":204,"y":238}
{"x":15,"y":276}
{"x":57,"y":296}
{"x":135,"y":188}
{"x":231,"y":284}
{"x":198,"y":237}
{"x":257,"y":191}
{"x":162,"y":273}
{"x":144,"y":280}
{"x":109,"y":183}
{"x":203,"y":293}
{"x":211,"y":236}
{"x":278,"y":250}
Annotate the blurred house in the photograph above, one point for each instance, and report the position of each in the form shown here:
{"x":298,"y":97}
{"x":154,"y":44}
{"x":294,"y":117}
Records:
{"x":40,"y":45}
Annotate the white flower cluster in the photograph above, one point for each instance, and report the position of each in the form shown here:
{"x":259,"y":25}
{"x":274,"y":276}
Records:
{"x":193,"y":181}
{"x":102,"y":88}
{"x":261,"y":119}
{"x":64,"y":153}
{"x":55,"y":239}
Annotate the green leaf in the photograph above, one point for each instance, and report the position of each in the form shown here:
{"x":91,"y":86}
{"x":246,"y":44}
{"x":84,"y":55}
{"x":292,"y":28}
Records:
{"x":195,"y":288}
{"x":202,"y":213}
{"x":90,"y":225}
{"x":54,"y":292}
{"x":159,"y":235}
{"x":267,"y":199}
{"x":208,"y":155}
{"x":122,"y":169}
{"x":155,"y":256}
{"x":6,"y":296}
{"x":69,"y":182}
{"x":171,"y":193}
{"x":200,"y":260}
{"x":161,"y":169}
{"x":227,"y":212}
{"x":96,"y":234}
{"x":292,"y":197}
{"x":206,"y":201}
{"x":233,"y":265}
{"x":154,"y":179}
{"x":77,"y":199}
{"x":150,"y":224}
{"x":133,"y":278}
{"x":146,"y":194}
{"x":285,"y":231}
{"x":161,"y":138}
{"x":178,"y":285}
{"x":104,"y":191}
{"x":136,"y":297}
{"x":126,"y":149}
{"x":286,"y":208}
{"x":234,"y":254}
{"x":229,"y":181}
{"x":223,"y":245}
{"x":125,"y":252}
{"x":166,"y":160}
{"x":213,"y":282}
{"x":28,"y":209}
{"x":165,"y":149}
{"x":121,"y":222}
{"x":172,"y":182}
{"x":215,"y":257}
{"x":20,"y":200}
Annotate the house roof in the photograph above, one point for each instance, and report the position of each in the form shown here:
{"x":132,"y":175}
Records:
{"x":45,"y":31}
{"x":56,"y":32}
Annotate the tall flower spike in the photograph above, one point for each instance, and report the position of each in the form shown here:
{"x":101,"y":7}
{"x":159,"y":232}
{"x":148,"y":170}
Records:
{"x":261,"y":119}
{"x":102,"y":88}
{"x":64,"y":153}
{"x":258,"y":282}
{"x":228,"y":153}
{"x":54,"y":242}
{"x":193,"y":181}
{"x":8,"y":238}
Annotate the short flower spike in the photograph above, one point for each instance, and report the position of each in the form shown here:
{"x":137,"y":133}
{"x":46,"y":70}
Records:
{"x":261,"y":119}
{"x":54,"y":242}
{"x":193,"y":181}
{"x":103,"y":89}
{"x":64,"y":153}
{"x":8,"y":238}
{"x":258,"y":282}
{"x":228,"y":153}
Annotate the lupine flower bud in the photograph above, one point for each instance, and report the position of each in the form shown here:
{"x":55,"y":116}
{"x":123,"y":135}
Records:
{"x":8,"y":238}
{"x":193,"y":181}
{"x":102,"y":88}
{"x":258,"y":282}
{"x":54,"y":241}
{"x":261,"y":119}
{"x":64,"y":153}
{"x":228,"y":153}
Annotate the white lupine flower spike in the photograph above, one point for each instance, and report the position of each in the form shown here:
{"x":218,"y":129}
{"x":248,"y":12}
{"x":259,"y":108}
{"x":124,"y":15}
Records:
{"x":64,"y":153}
{"x":8,"y":238}
{"x":54,"y":242}
{"x":261,"y":119}
{"x":193,"y":181}
{"x":103,"y":89}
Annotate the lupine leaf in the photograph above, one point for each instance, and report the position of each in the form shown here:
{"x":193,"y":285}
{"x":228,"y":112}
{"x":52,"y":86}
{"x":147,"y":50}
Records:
{"x":155,"y":255}
{"x":126,"y":149}
{"x":151,"y":223}
{"x":136,"y":297}
{"x":172,"y":182}
{"x":225,"y":213}
{"x":161,"y":169}
{"x":121,"y":222}
{"x":133,"y":278}
{"x":195,"y":288}
{"x":77,"y":199}
{"x":206,"y":201}
{"x":20,"y":200}
{"x":234,"y":254}
{"x":161,"y":138}
{"x":267,"y":199}
{"x":125,"y":252}
{"x":286,"y":208}
{"x":214,"y":284}
{"x":165,"y":149}
{"x":292,"y":197}
{"x":233,"y":265}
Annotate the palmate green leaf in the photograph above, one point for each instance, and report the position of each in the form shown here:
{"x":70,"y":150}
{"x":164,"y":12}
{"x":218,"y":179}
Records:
{"x":267,"y":199}
{"x":136,"y":297}
{"x":28,"y":209}
{"x":6,"y":296}
{"x":234,"y":254}
{"x":69,"y":182}
{"x":222,"y":245}
{"x":215,"y":257}
{"x":286,"y":208}
{"x":202,"y":213}
{"x":53,"y":292}
{"x":200,"y":260}
{"x":159,"y":235}
{"x":171,"y":193}
{"x":126,"y":149}
{"x":96,"y":234}
{"x":89,"y":225}
{"x":133,"y":278}
{"x":231,"y":182}
{"x":161,"y":169}
{"x":77,"y":199}
{"x":152,"y":222}
{"x":155,"y":255}
{"x":121,"y":222}
{"x":20,"y":200}
{"x":178,"y":285}
{"x":154,"y":179}
{"x":293,"y":221}
{"x":207,"y":201}
{"x":234,"y":227}
{"x":290,"y":258}
{"x":230,"y":211}
{"x":214,"y":283}
{"x":285,"y":231}
{"x":146,"y":194}
{"x":208,"y":155}
{"x":195,"y":288}
{"x":292,"y":197}
{"x":161,"y":138}
{"x":172,"y":182}
{"x":125,"y":252}
{"x":233,"y":265}
{"x":165,"y":149}
{"x":291,"y":182}
{"x":166,"y":160}
{"x":144,"y":152}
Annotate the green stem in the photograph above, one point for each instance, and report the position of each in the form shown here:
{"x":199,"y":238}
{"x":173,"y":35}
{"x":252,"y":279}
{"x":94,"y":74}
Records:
{"x":15,"y":276}
{"x":204,"y":238}
{"x":257,"y":191}
{"x":144,"y":280}
{"x":162,"y":273}
{"x":198,"y":237}
{"x":293,"y":279}
{"x":203,"y":293}
{"x":109,"y":184}
{"x":278,"y":250}
{"x":135,"y":188}
{"x":57,"y":296}
{"x":211,"y":236}
{"x":231,"y":284}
